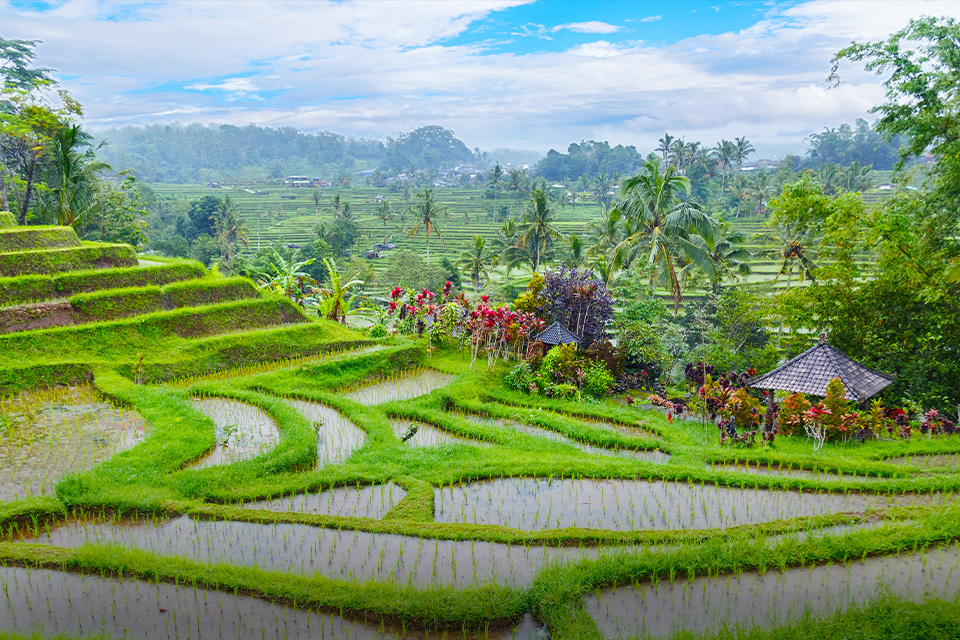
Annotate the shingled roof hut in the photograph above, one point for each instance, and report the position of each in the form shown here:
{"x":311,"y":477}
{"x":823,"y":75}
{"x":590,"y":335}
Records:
{"x":556,"y":334}
{"x":810,"y":372}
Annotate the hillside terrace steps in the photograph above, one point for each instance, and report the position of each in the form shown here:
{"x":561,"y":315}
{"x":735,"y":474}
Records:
{"x":124,"y":303}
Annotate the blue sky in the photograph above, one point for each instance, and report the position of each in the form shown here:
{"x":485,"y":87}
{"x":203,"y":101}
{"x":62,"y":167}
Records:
{"x":499,"y":73}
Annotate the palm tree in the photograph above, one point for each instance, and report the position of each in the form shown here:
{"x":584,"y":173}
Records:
{"x":473,"y":261}
{"x":495,"y":180}
{"x":382,"y":212}
{"x":537,"y":229}
{"x":666,"y":146}
{"x":857,"y":178}
{"x":655,"y":202}
{"x":231,"y":229}
{"x":426,"y":211}
{"x":601,"y":187}
{"x":74,"y":179}
{"x":726,"y":249}
{"x":575,"y":255}
{"x":742,"y":149}
{"x":725,"y":154}
{"x":794,"y":249}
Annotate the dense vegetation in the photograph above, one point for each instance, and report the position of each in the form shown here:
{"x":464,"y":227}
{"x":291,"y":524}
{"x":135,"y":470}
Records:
{"x":389,"y":443}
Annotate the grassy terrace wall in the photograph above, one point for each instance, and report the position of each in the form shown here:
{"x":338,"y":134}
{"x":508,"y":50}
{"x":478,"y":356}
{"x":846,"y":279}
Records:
{"x":133,"y":301}
{"x":7,"y":220}
{"x":145,"y":332}
{"x":171,"y":357}
{"x":88,"y":256}
{"x":31,"y":238}
{"x":36,"y":288}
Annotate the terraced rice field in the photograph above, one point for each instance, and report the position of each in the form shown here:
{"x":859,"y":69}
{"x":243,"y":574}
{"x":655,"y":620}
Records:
{"x":281,"y":501}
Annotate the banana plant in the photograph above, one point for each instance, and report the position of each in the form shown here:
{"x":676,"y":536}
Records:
{"x":332,"y":302}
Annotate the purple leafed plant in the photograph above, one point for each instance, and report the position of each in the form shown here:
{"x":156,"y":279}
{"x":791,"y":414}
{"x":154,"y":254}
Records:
{"x":578,"y":301}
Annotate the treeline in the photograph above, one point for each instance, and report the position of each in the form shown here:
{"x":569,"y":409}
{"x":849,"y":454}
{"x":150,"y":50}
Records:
{"x":841,"y":146}
{"x":178,"y":153}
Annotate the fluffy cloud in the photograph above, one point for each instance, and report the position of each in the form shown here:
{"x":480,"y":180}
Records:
{"x":373,"y":69}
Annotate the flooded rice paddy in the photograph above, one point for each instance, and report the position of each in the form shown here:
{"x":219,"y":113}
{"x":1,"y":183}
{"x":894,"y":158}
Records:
{"x":404,"y":387}
{"x":747,"y":600}
{"x":338,"y":554}
{"x":526,"y":503}
{"x":429,"y":436}
{"x":70,"y":604}
{"x":45,"y":435}
{"x":372,"y":501}
{"x":539,"y":432}
{"x":789,"y":471}
{"x":930,"y":461}
{"x":243,"y":431}
{"x":337,"y":437}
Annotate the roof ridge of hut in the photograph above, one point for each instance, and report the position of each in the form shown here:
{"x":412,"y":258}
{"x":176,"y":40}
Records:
{"x":829,"y":364}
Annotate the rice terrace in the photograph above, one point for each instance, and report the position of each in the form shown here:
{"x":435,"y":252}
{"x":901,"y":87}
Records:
{"x":261,"y":383}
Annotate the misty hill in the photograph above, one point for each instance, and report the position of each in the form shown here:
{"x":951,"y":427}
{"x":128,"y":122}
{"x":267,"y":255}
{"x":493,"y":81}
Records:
{"x":193,"y":153}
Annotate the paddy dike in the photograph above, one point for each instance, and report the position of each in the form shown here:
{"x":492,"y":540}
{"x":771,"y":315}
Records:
{"x":742,"y":601}
{"x":56,"y":603}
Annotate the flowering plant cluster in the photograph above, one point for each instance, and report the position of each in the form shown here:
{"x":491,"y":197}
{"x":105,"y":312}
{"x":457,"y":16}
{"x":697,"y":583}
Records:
{"x":497,"y":332}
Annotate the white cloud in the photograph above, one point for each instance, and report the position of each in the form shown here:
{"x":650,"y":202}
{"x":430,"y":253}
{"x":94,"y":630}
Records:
{"x":373,"y":69}
{"x":593,"y":26}
{"x":651,"y":19}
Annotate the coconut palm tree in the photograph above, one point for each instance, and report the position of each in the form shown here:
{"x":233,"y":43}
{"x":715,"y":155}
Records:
{"x":73,"y":183}
{"x":231,"y":229}
{"x":536,"y":229}
{"x":495,"y":180}
{"x":665,"y":220}
{"x":473,"y":261}
{"x":383,"y":213}
{"x":575,"y":254}
{"x":725,"y":247}
{"x":742,"y":149}
{"x":426,"y":211}
{"x":725,"y":154}
{"x":666,"y":146}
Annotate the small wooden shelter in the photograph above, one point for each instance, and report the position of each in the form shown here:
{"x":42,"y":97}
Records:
{"x":810,"y":372}
{"x":555,"y":335}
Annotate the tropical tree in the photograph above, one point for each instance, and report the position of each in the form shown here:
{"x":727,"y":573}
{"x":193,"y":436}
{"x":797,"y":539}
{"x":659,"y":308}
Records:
{"x":665,"y":220}
{"x":473,"y":261}
{"x":536,"y":229}
{"x":231,"y":229}
{"x":332,"y":302}
{"x":666,"y":146}
{"x":426,"y":211}
{"x":601,"y":189}
{"x":725,"y":247}
{"x":383,"y":213}
{"x":73,"y":177}
{"x":495,"y":180}
{"x":288,"y":278}
{"x":725,"y":154}
{"x":575,"y":253}
{"x":742,"y":149}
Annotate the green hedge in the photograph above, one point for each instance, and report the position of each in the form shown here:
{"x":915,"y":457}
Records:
{"x":32,"y":238}
{"x":36,"y":288}
{"x":88,"y":256}
{"x":7,"y":220}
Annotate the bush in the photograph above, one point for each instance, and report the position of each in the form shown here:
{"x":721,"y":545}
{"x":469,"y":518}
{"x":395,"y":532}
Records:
{"x":520,"y":378}
{"x":560,"y":364}
{"x":793,"y":414}
{"x":597,"y":379}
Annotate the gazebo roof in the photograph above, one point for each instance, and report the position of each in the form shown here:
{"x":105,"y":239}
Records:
{"x":557,"y":334}
{"x":810,"y":372}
